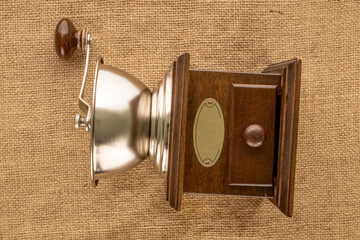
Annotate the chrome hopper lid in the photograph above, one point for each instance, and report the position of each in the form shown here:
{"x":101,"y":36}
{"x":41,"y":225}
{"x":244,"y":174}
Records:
{"x":128,"y":123}
{"x":120,"y":123}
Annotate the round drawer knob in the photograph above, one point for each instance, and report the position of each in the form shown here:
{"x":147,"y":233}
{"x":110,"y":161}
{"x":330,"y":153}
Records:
{"x":254,"y":135}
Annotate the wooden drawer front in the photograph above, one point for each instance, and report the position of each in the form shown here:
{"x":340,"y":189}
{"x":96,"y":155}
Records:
{"x":252,"y":104}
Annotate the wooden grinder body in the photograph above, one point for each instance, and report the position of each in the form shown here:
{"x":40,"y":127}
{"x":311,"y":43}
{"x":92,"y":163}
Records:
{"x":269,"y":100}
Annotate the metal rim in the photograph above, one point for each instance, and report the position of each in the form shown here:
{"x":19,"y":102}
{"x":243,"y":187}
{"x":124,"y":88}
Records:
{"x":94,"y":182}
{"x":160,"y":123}
{"x":168,"y":96}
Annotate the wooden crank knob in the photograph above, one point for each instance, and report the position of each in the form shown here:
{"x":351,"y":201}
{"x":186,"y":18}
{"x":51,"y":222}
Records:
{"x":68,"y":39}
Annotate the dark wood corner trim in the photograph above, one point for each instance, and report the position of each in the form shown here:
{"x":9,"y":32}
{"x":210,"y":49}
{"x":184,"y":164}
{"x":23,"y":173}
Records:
{"x":289,"y":116}
{"x":179,"y":103}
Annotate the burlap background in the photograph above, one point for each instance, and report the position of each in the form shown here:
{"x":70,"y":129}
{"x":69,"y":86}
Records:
{"x":45,"y":190}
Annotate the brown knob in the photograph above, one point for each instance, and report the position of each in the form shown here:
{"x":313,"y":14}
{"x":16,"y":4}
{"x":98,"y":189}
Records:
{"x":68,"y":39}
{"x":254,"y":135}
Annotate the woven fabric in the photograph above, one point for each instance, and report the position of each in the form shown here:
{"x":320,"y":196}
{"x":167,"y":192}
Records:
{"x":45,"y":192}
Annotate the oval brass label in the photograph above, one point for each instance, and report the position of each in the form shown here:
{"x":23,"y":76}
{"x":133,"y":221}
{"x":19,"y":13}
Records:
{"x":208,"y":134}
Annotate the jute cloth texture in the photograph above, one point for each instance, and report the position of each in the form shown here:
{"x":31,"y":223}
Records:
{"x":45,"y":190}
